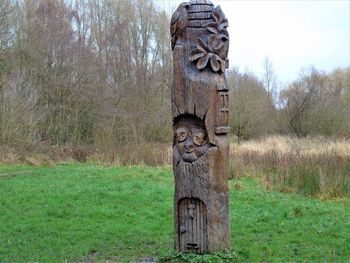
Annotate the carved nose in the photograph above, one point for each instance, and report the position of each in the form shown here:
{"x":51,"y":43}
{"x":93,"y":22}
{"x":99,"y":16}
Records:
{"x":189,"y":145}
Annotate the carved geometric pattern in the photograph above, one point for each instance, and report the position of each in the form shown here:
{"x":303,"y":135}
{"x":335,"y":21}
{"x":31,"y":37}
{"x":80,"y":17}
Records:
{"x":224,"y":102}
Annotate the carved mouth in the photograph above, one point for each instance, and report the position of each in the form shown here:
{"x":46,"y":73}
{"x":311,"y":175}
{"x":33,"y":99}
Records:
{"x":189,"y":151}
{"x":189,"y":157}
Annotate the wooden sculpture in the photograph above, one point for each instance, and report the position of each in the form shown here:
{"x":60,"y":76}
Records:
{"x":200,"y":43}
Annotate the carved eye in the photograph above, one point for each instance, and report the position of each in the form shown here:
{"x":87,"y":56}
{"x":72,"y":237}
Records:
{"x":181,"y":135}
{"x":199,"y":138}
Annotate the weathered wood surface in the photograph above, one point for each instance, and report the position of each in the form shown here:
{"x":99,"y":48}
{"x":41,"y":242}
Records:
{"x":193,"y":222}
{"x":200,"y":100}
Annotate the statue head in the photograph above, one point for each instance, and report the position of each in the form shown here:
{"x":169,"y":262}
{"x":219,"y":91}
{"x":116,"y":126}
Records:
{"x":190,"y":138}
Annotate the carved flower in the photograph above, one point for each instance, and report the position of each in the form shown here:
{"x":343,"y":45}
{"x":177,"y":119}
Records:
{"x":218,"y":27}
{"x":211,"y":52}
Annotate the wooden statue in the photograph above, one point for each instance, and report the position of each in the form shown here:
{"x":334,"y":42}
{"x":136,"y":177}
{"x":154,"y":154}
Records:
{"x":200,"y":43}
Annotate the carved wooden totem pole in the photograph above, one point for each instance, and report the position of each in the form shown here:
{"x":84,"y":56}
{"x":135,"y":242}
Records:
{"x":200,"y":44}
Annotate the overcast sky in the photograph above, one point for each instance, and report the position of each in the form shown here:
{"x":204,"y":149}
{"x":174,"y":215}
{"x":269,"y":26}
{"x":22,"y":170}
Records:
{"x":292,"y":34}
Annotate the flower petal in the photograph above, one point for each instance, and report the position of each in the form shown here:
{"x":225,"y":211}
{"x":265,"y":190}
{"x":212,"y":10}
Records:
{"x":223,"y":65}
{"x":213,"y":28}
{"x":212,"y":42}
{"x":214,"y":63}
{"x":224,"y":51}
{"x":224,"y":36}
{"x":202,"y":63}
{"x":196,"y":54}
{"x":201,"y":45}
{"x":223,"y":24}
{"x":216,"y":15}
{"x":220,"y":14}
{"x":218,"y":49}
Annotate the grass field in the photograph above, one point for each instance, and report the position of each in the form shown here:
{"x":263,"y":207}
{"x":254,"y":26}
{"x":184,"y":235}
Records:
{"x":90,"y":213}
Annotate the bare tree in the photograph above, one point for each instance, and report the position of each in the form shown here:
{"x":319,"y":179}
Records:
{"x":251,"y":106}
{"x":99,"y":72}
{"x":314,"y":103}
{"x":269,"y":79}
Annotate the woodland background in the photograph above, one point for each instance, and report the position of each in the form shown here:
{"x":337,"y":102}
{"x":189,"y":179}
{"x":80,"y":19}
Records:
{"x":96,"y":75}
{"x":90,"y":80}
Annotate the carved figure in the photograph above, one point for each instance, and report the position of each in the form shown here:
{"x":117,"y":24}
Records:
{"x":191,"y":139}
{"x":200,"y":42}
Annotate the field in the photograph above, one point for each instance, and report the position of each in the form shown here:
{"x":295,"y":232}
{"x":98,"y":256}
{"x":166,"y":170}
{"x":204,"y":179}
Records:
{"x":314,"y":167}
{"x":92,"y":213}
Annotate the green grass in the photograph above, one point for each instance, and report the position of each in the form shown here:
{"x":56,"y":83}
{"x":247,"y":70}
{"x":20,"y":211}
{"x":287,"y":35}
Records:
{"x":69,"y":213}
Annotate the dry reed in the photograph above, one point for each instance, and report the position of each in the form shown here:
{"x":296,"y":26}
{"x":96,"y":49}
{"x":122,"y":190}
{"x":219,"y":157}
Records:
{"x":312,"y":166}
{"x":153,"y":154}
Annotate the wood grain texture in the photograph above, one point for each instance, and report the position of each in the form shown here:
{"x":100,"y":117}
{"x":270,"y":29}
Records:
{"x":193,"y":225}
{"x":200,"y":104}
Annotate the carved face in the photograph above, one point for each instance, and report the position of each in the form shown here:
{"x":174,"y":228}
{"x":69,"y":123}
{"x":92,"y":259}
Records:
{"x":191,"y":141}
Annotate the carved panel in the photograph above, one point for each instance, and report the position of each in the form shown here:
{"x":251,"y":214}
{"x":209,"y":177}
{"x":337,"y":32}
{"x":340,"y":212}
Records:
{"x":223,"y":113}
{"x":224,"y":103}
{"x":192,"y":226}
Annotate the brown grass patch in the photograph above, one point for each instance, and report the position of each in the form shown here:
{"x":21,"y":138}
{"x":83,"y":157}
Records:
{"x":312,"y":166}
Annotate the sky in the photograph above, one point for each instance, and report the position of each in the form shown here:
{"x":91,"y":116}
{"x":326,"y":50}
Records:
{"x":292,"y":34}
